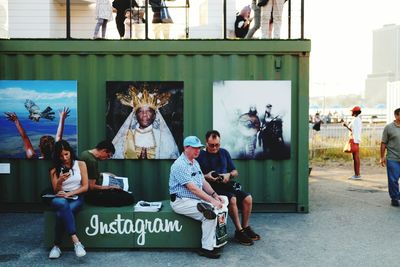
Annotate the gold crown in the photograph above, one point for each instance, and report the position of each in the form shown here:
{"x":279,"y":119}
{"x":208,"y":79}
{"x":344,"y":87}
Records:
{"x":137,"y":99}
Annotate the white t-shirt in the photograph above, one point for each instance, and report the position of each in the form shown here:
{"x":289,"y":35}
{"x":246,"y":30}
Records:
{"x":74,"y":181}
{"x":356,"y":127}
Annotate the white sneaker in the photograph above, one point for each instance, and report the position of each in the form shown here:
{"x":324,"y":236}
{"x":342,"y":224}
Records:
{"x":79,"y":249}
{"x":355,"y":177}
{"x":55,"y":253}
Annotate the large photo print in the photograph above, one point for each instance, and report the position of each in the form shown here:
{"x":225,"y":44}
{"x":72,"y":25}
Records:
{"x":36,"y":114}
{"x":145,"y":119}
{"x":254,"y":117}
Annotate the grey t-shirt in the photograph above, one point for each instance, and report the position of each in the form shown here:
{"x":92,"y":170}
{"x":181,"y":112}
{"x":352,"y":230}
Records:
{"x":391,"y":137}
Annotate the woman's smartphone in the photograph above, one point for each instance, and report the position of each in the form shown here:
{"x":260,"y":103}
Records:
{"x":64,"y":170}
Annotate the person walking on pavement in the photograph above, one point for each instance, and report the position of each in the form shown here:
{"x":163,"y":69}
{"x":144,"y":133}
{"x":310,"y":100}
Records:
{"x":391,"y":144}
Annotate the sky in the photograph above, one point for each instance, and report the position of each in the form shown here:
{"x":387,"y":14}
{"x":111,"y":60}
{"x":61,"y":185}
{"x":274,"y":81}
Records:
{"x":13,"y":95}
{"x":341,"y":42}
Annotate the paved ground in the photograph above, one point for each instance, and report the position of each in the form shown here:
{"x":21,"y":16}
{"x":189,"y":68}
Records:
{"x":350,"y":224}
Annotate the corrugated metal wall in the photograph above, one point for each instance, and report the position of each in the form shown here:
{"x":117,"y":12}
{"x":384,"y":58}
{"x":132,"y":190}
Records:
{"x":275,"y":185}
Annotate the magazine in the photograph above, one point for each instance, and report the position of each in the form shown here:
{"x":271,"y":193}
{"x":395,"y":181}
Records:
{"x":148,"y":206}
{"x":110,"y":179}
{"x":74,"y":197}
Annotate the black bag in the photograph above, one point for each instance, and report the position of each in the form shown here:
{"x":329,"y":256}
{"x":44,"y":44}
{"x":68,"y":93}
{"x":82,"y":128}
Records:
{"x":109,"y":198}
{"x":236,"y":185}
{"x":317,"y":126}
{"x":262,"y":3}
{"x":230,"y":186}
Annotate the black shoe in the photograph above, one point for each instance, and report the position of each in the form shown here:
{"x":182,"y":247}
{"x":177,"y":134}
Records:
{"x":219,"y":250}
{"x":250,"y":233}
{"x":262,"y":2}
{"x":207,"y":210}
{"x":395,"y":203}
{"x":242,"y":238}
{"x":156,"y":17}
{"x":212,"y":254}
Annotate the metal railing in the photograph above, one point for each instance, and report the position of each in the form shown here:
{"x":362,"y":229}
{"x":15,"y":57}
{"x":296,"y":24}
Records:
{"x":335,"y":136}
{"x":187,"y":6}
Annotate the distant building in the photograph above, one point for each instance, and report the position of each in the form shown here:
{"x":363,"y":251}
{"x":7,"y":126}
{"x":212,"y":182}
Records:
{"x":392,"y":99}
{"x":385,"y":62}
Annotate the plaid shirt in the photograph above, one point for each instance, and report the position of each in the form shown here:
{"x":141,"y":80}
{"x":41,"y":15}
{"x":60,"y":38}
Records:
{"x":182,"y":172}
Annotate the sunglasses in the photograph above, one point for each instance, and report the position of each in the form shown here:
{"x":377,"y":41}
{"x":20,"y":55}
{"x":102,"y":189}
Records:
{"x":213,"y":145}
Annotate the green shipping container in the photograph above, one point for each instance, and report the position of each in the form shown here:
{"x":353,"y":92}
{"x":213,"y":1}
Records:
{"x":277,"y":186}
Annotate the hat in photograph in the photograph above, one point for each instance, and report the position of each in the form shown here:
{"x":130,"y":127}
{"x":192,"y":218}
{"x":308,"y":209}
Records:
{"x":192,"y":141}
{"x":356,"y":108}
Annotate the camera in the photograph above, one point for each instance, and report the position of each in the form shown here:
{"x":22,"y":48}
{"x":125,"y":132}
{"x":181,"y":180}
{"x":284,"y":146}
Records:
{"x":218,"y":176}
{"x":237,"y":186}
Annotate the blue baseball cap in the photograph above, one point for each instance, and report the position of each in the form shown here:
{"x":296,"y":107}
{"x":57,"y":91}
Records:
{"x":192,"y":141}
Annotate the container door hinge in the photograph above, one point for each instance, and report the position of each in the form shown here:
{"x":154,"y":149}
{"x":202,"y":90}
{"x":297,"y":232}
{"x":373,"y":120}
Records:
{"x":278,"y":63}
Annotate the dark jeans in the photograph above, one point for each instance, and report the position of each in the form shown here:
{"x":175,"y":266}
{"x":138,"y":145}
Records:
{"x":393,"y":173}
{"x":119,"y":20}
{"x":65,"y":216}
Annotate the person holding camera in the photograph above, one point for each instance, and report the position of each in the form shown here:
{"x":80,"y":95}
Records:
{"x":219,"y":170}
{"x":69,"y":180}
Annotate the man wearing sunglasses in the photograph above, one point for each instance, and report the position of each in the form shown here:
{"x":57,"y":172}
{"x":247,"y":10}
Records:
{"x":219,"y":170}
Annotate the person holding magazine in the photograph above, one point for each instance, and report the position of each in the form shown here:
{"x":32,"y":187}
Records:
{"x":69,"y":180}
{"x":99,"y":194}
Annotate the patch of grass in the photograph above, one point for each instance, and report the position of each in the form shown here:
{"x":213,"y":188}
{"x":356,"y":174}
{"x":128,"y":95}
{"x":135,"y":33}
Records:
{"x":328,"y":148}
{"x":337,"y":154}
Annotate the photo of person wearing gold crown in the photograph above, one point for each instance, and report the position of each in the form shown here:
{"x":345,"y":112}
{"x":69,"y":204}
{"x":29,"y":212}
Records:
{"x":144,"y":133}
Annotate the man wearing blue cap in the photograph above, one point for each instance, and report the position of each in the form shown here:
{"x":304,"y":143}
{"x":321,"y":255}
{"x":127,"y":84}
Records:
{"x":188,"y":188}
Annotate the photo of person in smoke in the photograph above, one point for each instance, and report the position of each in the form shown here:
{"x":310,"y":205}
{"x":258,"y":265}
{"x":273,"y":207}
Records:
{"x":249,"y":126}
{"x":145,"y":119}
{"x":271,"y":134}
{"x":250,"y":129}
